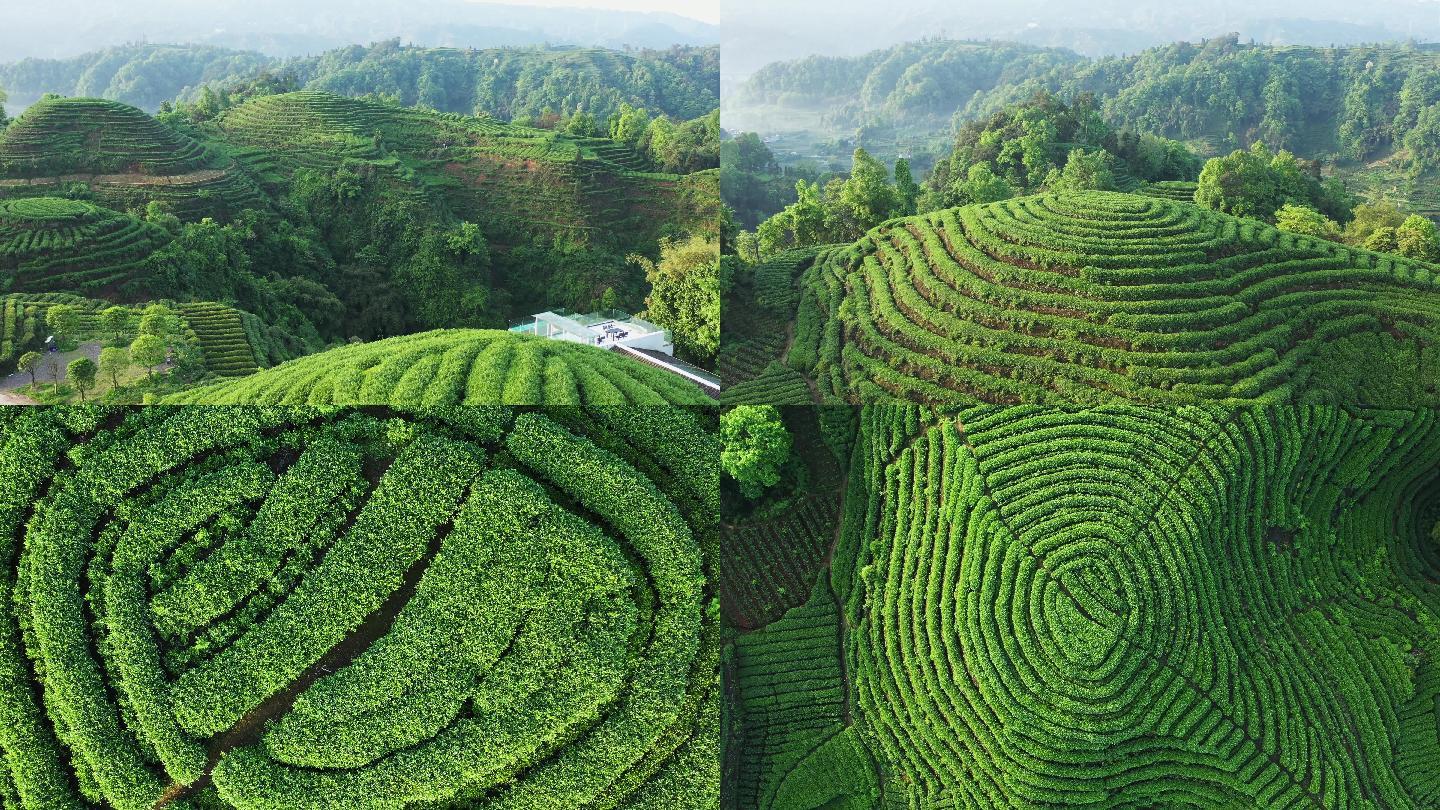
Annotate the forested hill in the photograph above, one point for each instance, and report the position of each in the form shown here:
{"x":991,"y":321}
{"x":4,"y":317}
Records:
{"x":1357,"y":102}
{"x":141,"y":75}
{"x":682,"y":82}
{"x":921,"y":82}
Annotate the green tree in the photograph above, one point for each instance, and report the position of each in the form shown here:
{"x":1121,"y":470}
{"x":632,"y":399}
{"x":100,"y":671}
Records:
{"x":1084,"y":171}
{"x":982,"y":185}
{"x":159,"y":320}
{"x":629,"y":125}
{"x":29,"y":363}
{"x":113,"y":362}
{"x":747,"y":247}
{"x":148,"y":351}
{"x":64,"y":321}
{"x":754,"y":447}
{"x":608,"y":300}
{"x":81,"y":373}
{"x":1240,"y":183}
{"x":800,"y":224}
{"x":906,"y":189}
{"x":1383,"y":240}
{"x":867,"y":198}
{"x":115,"y":320}
{"x":685,"y":294}
{"x":1418,"y":238}
{"x":1305,"y":220}
{"x":582,"y":125}
{"x":1371,"y":217}
{"x":1255,"y":183}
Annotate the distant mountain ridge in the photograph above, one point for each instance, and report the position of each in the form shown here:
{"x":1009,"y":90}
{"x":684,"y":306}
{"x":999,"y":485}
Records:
{"x":682,"y":82}
{"x":66,"y":28}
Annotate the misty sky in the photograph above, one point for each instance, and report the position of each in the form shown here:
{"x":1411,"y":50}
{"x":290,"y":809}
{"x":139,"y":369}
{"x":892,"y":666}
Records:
{"x":757,"y":32}
{"x":704,"y":10}
{"x":63,"y":28}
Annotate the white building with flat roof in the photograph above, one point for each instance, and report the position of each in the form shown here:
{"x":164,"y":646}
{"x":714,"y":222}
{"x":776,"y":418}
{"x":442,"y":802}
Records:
{"x":619,"y":332}
{"x":603,"y":329}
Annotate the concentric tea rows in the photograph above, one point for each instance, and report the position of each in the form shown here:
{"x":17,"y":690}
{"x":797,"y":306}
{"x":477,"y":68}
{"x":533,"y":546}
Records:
{"x":1147,"y":608}
{"x":290,"y":608}
{"x":51,"y":245}
{"x":1094,"y":297}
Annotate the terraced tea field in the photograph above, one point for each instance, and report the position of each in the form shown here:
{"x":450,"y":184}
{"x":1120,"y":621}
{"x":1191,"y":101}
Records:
{"x":457,"y":366}
{"x":1102,"y":296}
{"x":220,"y":332}
{"x":514,"y":179}
{"x":1177,"y":190}
{"x":125,"y":157}
{"x":94,"y":136}
{"x":260,"y":608}
{"x":1034,"y":611}
{"x":55,"y":245}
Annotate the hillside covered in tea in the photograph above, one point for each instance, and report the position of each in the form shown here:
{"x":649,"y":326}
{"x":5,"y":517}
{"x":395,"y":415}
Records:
{"x":456,"y":367}
{"x":1094,"y":297}
{"x":1012,"y":607}
{"x":329,"y":219}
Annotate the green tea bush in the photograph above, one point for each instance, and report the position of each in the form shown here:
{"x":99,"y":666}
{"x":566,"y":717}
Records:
{"x":457,"y":366}
{"x":1100,"y":296}
{"x":312,"y":608}
{"x":1128,"y":607}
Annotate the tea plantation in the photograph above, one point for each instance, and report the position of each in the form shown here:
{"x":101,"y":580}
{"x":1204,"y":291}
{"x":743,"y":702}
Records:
{"x":296,"y":608}
{"x":57,"y":245}
{"x":1121,"y":607}
{"x":1101,"y":296}
{"x":456,"y":366}
{"x":122,"y":156}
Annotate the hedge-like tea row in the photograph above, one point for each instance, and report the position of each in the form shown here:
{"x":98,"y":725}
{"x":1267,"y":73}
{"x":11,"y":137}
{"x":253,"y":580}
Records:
{"x":1177,"y":190}
{"x":456,"y":366}
{"x":1146,"y":608}
{"x":1101,"y":296}
{"x":778,"y":384}
{"x":363,"y":609}
{"x":55,"y":245}
{"x":221,"y":335}
{"x":794,"y":749}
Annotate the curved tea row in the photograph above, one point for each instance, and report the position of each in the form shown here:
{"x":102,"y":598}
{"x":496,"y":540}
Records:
{"x":50,"y":245}
{"x":1243,"y":615}
{"x":1102,"y":296}
{"x":285,"y":608}
{"x":456,"y":366}
{"x":62,"y":136}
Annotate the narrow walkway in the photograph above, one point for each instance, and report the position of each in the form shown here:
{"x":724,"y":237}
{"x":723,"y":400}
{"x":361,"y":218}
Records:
{"x":708,"y":382}
{"x":248,"y":729}
{"x":128,"y":179}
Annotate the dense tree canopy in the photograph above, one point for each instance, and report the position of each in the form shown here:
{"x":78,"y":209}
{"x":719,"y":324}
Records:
{"x":681,"y":82}
{"x":685,"y":295}
{"x":755,"y":445}
{"x":1255,"y":183}
{"x":1027,"y":147}
{"x":1355,"y":103}
{"x":753,"y":183}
